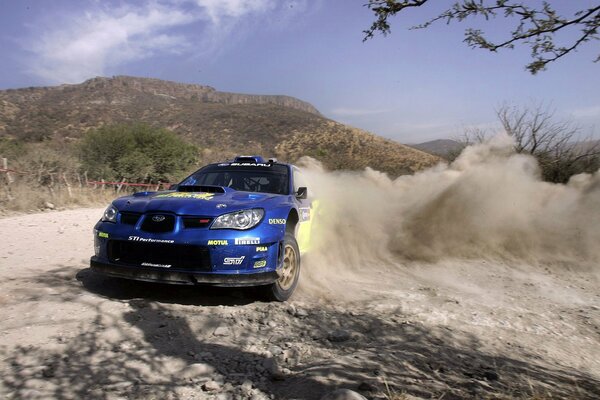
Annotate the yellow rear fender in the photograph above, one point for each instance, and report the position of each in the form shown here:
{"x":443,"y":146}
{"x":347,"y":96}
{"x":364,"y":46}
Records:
{"x":304,"y":231}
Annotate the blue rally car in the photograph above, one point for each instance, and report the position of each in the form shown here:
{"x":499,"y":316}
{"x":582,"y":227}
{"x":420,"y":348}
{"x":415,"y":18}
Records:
{"x":238,"y":223}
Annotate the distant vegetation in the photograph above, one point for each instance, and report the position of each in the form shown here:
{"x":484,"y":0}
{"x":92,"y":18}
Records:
{"x":136,"y":153}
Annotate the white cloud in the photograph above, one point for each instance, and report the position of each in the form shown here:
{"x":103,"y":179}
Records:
{"x":229,"y":22}
{"x":87,"y":45}
{"x":217,"y":10}
{"x":76,"y":47}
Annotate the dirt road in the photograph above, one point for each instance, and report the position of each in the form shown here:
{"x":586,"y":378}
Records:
{"x":450,"y":329}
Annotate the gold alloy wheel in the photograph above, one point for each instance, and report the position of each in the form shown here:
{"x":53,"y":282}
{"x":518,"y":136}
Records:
{"x":290,"y":265}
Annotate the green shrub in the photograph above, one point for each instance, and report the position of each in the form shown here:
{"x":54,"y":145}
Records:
{"x":11,"y":148}
{"x":136,"y":153}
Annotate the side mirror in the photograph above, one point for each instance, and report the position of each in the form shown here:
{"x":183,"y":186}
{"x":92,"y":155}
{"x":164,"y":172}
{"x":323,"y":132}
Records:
{"x":173,"y":186}
{"x":302,"y":193}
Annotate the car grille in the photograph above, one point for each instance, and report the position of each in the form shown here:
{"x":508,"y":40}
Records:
{"x":178,"y":256}
{"x":158,"y":223}
{"x":129,"y":218}
{"x":196,"y":222}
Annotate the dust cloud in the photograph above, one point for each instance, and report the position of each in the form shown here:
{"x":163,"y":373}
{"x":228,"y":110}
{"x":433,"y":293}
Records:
{"x":490,"y":203}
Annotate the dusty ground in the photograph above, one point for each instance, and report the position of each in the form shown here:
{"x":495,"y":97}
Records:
{"x":475,"y":329}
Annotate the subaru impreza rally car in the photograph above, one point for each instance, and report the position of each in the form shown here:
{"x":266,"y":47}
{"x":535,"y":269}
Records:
{"x":243,"y":222}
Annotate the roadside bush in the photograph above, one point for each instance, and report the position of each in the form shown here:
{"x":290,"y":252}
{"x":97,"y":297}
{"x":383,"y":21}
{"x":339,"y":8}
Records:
{"x":136,"y":153}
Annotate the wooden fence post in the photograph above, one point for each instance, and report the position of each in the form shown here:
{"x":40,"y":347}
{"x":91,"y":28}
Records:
{"x":64,"y":176}
{"x":5,"y":166}
{"x":9,"y":180}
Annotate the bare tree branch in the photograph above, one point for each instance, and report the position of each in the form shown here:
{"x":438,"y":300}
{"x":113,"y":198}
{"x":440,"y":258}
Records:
{"x":557,"y":145}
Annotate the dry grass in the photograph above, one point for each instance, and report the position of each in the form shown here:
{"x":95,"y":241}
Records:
{"x":23,"y":197}
{"x":342,"y":147}
{"x":390,"y":392}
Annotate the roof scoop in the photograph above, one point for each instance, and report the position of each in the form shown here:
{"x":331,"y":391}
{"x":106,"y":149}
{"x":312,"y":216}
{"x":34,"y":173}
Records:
{"x":250,"y":159}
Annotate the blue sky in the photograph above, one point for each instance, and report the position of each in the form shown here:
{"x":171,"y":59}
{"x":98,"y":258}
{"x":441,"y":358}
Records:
{"x":412,"y":86}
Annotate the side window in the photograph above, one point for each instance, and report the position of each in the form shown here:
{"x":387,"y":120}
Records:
{"x":299,"y":180}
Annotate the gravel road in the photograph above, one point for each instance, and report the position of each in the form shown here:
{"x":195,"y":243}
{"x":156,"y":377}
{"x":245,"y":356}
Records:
{"x":450,"y":329}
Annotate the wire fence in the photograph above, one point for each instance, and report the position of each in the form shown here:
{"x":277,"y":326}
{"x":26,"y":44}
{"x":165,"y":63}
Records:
{"x":62,"y":179}
{"x":12,"y":170}
{"x":156,"y":186}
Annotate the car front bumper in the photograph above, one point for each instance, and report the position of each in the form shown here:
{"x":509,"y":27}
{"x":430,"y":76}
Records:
{"x":183,"y":277}
{"x":189,"y":256}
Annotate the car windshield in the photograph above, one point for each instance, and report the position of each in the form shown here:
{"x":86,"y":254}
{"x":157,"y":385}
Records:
{"x":265,"y":179}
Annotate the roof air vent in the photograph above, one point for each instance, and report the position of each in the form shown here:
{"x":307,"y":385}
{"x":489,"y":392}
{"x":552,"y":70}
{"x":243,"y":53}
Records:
{"x":249,"y":159}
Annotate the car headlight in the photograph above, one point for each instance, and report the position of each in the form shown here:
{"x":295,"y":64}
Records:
{"x":240,"y":220}
{"x":110,"y":214}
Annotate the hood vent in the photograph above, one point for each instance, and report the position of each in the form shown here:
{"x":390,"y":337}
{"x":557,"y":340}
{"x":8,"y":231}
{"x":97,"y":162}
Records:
{"x":203,"y":189}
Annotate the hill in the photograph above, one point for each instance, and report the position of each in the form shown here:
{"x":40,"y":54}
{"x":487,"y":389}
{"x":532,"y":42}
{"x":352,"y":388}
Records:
{"x":222,"y":124}
{"x":439,"y":147}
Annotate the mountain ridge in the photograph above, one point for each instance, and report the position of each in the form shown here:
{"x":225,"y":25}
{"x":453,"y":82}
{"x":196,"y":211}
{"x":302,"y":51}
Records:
{"x":192,"y":91}
{"x":439,"y":147}
{"x":222,"y":124}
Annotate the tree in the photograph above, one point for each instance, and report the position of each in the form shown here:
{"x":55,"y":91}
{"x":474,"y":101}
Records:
{"x":557,"y":145}
{"x":136,"y":153}
{"x":540,"y":28}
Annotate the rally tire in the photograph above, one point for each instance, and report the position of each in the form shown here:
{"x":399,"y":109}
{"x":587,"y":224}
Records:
{"x":284,"y":287}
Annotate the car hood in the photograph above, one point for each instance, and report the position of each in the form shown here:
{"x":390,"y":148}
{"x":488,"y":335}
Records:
{"x":193,"y":203}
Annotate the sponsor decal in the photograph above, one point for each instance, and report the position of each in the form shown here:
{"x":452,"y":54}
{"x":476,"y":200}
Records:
{"x":247,"y":240}
{"x":223,"y":165}
{"x":261,"y":248}
{"x":158,"y":218}
{"x":260,"y":264}
{"x":103,"y":235}
{"x":277,"y":221}
{"x":221,"y":205}
{"x":147,"y":264}
{"x":233,"y":260}
{"x":217,"y":242}
{"x":149,"y":240}
{"x":186,"y":195}
{"x":247,"y":164}
{"x":304,"y":214}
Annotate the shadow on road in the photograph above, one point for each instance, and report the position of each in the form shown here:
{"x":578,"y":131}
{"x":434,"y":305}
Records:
{"x":123,"y":289}
{"x":147,"y":349}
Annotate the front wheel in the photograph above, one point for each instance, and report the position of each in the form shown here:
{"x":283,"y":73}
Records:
{"x":283,"y":288}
